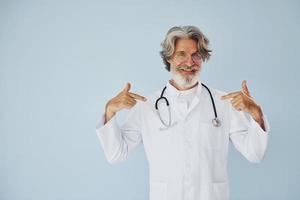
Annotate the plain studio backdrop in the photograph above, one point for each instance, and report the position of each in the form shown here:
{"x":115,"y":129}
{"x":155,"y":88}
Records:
{"x":61,"y":61}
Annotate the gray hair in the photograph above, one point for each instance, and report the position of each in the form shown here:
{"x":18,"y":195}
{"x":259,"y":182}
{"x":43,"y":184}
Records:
{"x":178,"y":32}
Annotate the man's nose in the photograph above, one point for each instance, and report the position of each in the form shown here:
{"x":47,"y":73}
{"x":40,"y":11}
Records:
{"x":189,"y":62}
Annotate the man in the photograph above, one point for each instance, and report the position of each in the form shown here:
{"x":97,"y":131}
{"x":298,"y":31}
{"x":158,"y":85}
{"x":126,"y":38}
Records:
{"x":186,"y":148}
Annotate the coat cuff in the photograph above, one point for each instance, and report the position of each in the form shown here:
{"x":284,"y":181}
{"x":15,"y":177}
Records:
{"x":100,"y":126}
{"x":109,"y":135}
{"x":254,"y":124}
{"x":100,"y":123}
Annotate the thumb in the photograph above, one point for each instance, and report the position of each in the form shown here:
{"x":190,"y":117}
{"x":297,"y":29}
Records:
{"x":245,"y":88}
{"x":127,"y":87}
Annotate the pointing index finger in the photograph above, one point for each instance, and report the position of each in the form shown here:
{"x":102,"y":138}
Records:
{"x":230,"y":95}
{"x":136,"y":96}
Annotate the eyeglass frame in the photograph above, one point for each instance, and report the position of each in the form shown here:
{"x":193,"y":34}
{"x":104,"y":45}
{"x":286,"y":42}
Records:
{"x":195,"y":53}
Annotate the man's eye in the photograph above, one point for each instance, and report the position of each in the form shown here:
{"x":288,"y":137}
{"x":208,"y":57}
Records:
{"x":196,"y":55}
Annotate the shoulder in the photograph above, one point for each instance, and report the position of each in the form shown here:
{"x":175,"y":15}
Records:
{"x":150,"y":102}
{"x":216,"y":92}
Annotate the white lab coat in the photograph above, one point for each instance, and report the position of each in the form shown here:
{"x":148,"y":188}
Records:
{"x":189,"y":160}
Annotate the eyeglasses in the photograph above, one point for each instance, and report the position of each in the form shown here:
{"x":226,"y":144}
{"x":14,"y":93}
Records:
{"x":182,"y":56}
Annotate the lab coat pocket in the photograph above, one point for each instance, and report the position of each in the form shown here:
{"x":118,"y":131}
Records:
{"x":158,"y":190}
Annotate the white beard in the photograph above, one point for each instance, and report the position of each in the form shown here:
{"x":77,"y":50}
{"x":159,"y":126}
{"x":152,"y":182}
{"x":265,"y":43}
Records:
{"x":184,"y":80}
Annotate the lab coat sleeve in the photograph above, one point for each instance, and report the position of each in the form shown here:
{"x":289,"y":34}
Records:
{"x":247,"y":136}
{"x":117,"y":141}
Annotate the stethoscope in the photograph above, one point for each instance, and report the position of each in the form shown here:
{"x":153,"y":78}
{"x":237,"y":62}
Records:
{"x":215,"y":121}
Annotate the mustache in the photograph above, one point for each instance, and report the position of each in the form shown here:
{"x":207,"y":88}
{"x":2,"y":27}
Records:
{"x":184,"y":67}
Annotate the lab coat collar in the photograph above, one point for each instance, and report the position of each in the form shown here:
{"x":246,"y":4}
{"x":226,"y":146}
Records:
{"x":174,"y":92}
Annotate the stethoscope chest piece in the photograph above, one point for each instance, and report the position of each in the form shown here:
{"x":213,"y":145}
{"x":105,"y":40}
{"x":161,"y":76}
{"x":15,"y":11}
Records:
{"x":216,"y":122}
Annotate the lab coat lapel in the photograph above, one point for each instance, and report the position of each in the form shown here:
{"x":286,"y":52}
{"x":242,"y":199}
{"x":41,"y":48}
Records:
{"x":194,"y":103}
{"x":172,"y":93}
{"x":196,"y":99}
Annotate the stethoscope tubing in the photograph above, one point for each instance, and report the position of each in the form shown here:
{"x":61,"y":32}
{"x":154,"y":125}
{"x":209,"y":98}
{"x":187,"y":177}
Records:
{"x":215,"y":121}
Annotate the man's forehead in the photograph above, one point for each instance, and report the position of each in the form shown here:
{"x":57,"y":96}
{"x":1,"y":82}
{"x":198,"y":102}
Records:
{"x":189,"y":45}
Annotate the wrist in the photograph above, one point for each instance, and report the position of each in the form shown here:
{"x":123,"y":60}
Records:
{"x":108,"y":108}
{"x":109,"y":112}
{"x":256,"y":113}
{"x":258,"y":117}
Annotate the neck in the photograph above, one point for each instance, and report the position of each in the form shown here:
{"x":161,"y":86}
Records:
{"x":172,"y":82}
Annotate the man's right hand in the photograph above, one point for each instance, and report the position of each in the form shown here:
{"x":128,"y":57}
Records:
{"x":124,"y":99}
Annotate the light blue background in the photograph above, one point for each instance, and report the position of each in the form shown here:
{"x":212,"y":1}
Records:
{"x":61,"y":61}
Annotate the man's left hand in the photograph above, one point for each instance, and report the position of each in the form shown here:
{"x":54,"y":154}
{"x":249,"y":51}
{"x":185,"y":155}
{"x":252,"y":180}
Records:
{"x":242,"y":101}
